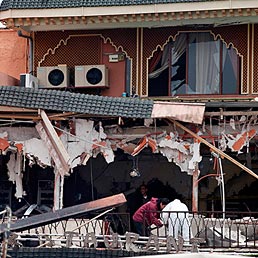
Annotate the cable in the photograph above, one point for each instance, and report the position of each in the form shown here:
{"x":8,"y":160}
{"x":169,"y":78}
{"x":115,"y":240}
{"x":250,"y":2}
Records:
{"x":79,"y":138}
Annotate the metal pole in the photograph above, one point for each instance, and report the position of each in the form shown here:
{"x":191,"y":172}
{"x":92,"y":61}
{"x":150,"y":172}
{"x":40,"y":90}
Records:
{"x":222,"y":188}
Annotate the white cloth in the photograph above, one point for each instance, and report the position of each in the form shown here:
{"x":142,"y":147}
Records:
{"x":176,"y":217}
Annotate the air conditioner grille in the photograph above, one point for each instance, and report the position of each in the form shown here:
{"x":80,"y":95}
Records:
{"x":94,"y":76}
{"x":56,"y":77}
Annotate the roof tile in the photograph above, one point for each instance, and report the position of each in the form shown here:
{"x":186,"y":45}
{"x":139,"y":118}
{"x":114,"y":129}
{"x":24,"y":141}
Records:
{"x":45,"y":4}
{"x":58,"y":100}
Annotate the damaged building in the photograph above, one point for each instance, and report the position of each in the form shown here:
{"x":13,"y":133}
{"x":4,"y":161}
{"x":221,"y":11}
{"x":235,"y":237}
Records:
{"x":119,"y":94}
{"x":58,"y":157}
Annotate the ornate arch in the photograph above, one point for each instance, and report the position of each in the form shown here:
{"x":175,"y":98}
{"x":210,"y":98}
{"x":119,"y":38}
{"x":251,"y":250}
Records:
{"x":216,"y":35}
{"x":122,"y":40}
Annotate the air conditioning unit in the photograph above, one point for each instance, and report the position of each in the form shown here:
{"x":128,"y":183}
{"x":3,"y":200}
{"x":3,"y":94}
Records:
{"x":28,"y":81}
{"x":93,"y":76}
{"x":53,"y":76}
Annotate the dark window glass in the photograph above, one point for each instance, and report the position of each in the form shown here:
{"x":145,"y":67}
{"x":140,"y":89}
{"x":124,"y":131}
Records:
{"x":194,"y":63}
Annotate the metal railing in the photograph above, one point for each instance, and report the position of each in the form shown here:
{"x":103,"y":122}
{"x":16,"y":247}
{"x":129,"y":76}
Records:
{"x":6,"y":216}
{"x":236,"y":230}
{"x":239,"y":230}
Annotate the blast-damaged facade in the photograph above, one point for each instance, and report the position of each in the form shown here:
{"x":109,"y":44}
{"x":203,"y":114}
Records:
{"x":186,"y":71}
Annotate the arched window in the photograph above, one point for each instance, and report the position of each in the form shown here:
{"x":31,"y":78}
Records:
{"x":194,"y":63}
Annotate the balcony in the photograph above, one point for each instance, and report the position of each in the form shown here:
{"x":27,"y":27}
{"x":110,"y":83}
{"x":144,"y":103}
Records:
{"x":199,"y":231}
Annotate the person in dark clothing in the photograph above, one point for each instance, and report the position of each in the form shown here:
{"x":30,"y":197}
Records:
{"x":137,"y":199}
{"x":148,"y":214}
{"x":144,"y":194}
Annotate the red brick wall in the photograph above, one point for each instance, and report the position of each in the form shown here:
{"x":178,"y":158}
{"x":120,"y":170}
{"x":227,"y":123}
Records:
{"x":13,"y":50}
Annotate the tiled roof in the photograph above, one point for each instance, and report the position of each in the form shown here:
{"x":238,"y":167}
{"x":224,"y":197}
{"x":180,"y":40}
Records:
{"x":66,"y":101}
{"x":43,"y":4}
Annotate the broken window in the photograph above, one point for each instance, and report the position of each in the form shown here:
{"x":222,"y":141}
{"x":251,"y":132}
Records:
{"x":194,"y":63}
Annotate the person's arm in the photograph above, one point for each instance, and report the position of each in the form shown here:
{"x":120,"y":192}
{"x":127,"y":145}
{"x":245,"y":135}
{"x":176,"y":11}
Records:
{"x":155,"y":219}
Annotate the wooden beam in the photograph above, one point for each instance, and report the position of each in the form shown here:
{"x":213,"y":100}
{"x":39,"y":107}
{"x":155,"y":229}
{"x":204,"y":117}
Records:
{"x":61,"y":115}
{"x":65,"y":213}
{"x":54,"y":144}
{"x":19,"y":117}
{"x":17,"y":109}
{"x":213,"y":148}
{"x":232,"y":113}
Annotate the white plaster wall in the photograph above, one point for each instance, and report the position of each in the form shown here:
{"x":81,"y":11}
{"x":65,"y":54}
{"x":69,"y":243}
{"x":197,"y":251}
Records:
{"x":20,"y":133}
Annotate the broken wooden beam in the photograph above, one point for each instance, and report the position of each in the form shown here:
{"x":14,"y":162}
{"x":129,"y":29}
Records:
{"x":215,"y":149}
{"x":54,"y":144}
{"x":66,"y":213}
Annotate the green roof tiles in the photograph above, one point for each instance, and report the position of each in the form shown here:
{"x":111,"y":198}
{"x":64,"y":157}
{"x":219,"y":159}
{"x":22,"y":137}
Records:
{"x":43,"y":4}
{"x":65,"y":101}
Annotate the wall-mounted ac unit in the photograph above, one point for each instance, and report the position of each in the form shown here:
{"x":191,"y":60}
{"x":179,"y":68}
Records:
{"x":28,"y":81}
{"x":53,"y":76}
{"x":91,"y":76}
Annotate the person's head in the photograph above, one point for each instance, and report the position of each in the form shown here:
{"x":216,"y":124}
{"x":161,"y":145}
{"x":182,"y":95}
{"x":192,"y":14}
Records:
{"x":162,"y":202}
{"x":143,"y":189}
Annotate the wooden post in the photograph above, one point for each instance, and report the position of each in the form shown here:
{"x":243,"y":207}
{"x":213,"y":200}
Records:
{"x":195,"y":189}
{"x":58,"y":191}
